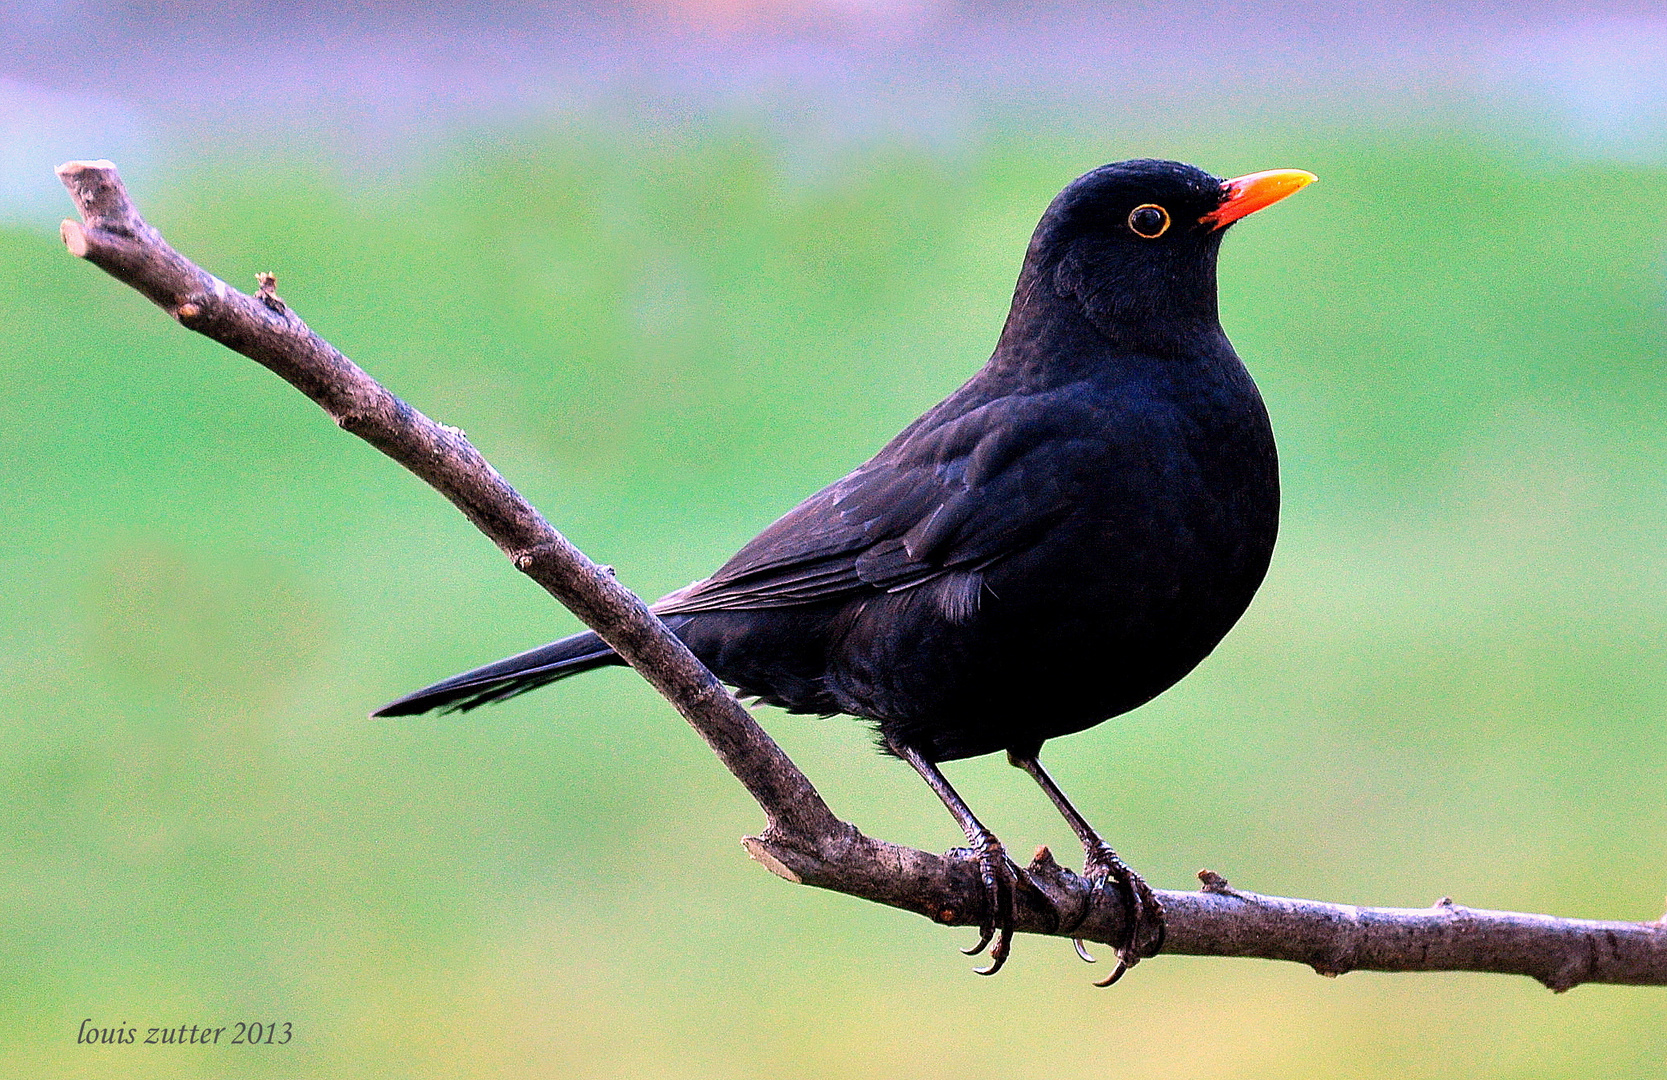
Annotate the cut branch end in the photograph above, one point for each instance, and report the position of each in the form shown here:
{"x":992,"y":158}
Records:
{"x":75,"y":238}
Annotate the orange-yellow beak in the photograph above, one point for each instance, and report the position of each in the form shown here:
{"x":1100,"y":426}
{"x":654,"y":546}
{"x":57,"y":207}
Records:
{"x":1248,"y":194}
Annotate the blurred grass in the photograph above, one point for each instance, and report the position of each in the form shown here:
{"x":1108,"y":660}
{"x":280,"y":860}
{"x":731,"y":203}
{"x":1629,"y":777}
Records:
{"x":1451,"y":684}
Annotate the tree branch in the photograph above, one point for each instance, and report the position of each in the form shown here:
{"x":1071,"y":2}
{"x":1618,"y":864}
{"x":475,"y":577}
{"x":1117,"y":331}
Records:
{"x":803,"y":840}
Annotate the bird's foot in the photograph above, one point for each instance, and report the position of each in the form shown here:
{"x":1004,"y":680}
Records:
{"x":1003,"y":880}
{"x":1146,"y":929}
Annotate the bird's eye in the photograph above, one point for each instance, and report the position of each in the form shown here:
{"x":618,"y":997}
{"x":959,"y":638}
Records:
{"x":1149,"y":220}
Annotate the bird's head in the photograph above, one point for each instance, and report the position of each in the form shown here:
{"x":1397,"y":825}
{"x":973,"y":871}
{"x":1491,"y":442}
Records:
{"x":1135,"y":243}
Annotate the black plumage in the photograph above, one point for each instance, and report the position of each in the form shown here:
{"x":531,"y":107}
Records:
{"x":1057,"y":542}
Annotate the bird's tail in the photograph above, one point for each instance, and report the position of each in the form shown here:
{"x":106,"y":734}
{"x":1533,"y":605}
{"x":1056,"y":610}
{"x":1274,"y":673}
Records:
{"x":507,"y":678}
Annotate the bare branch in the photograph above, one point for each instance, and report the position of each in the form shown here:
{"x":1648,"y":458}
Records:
{"x":113,"y":237}
{"x":804,"y":841}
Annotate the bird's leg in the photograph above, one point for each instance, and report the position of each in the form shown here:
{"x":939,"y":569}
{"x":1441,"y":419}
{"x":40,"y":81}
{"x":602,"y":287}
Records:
{"x":1002,"y":878}
{"x":1101,"y":864}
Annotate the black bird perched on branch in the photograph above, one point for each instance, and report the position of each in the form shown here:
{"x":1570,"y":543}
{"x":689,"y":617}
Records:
{"x":1057,"y":542}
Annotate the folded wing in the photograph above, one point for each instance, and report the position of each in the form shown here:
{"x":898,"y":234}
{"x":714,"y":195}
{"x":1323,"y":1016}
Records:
{"x":947,"y":497}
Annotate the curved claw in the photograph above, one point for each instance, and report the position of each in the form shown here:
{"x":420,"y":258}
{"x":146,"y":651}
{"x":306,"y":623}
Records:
{"x":999,"y":875}
{"x":1002,"y":880}
{"x":998,"y":954}
{"x":1145,"y":913}
{"x":1145,"y":917}
{"x":1082,"y":951}
{"x":1114,"y":976}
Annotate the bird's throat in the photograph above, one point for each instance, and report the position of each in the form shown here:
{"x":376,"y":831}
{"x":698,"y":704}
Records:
{"x":1161,"y":308}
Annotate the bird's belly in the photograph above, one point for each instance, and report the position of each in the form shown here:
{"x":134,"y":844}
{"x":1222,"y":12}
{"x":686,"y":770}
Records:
{"x":1064,"y":636}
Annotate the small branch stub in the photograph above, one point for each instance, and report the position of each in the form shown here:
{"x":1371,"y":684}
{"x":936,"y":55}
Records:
{"x":804,"y":841}
{"x":268,"y":293}
{"x":761,"y":854}
{"x":1212,"y":882}
{"x":75,"y":238}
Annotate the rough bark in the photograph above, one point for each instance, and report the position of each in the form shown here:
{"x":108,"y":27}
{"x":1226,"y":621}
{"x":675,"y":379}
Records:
{"x":803,"y":840}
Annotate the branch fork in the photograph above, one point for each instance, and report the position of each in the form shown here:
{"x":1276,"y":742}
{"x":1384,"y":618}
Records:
{"x":803,"y":841}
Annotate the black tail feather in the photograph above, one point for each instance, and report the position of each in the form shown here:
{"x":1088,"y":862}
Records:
{"x":507,"y":678}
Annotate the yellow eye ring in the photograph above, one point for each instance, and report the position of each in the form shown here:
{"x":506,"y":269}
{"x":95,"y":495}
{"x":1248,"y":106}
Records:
{"x":1144,"y":223}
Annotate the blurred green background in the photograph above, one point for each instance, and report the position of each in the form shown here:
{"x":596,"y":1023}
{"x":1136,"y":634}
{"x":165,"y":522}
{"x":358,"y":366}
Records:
{"x":667,"y":332}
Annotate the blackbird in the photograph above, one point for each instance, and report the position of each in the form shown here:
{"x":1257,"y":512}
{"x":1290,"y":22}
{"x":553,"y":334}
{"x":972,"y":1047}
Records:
{"x":1057,"y":542}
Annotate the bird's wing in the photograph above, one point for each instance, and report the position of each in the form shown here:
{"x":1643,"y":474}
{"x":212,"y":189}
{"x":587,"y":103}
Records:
{"x":945,"y":497}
